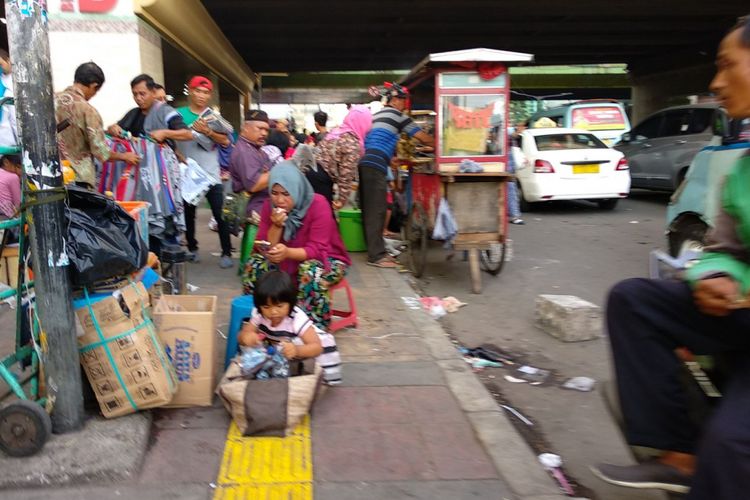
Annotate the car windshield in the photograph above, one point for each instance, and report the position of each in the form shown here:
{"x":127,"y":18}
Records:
{"x":554,"y":142}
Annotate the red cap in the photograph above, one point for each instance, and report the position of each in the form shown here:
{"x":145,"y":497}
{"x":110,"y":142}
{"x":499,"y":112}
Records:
{"x":200,"y":81}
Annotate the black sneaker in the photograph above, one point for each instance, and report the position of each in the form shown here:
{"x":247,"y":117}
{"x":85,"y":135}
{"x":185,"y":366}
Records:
{"x":653,"y":474}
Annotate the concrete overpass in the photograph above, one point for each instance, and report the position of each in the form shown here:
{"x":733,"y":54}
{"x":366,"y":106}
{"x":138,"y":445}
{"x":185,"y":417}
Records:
{"x":668,"y":46}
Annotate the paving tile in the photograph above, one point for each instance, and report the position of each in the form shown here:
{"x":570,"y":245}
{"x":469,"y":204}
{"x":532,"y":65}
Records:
{"x":363,"y":406}
{"x":400,"y":347}
{"x":188,"y":455}
{"x":432,"y":404}
{"x":455,"y":451}
{"x":191,"y":418}
{"x":340,"y":405}
{"x":370,"y":453}
{"x":413,"y":490}
{"x":392,"y":374}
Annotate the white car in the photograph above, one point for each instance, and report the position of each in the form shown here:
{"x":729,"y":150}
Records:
{"x":568,"y":164}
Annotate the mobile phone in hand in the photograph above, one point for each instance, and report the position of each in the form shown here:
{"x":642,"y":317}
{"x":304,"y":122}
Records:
{"x":263,"y":246}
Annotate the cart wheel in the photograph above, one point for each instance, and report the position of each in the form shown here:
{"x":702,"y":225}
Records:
{"x":492,"y":260}
{"x":416,"y":235}
{"x":24,"y":428}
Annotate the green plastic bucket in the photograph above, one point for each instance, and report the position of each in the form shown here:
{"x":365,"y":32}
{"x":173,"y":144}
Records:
{"x":352,"y":230}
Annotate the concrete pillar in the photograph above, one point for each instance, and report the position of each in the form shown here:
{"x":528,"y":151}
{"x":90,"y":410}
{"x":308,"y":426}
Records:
{"x":230,"y":104}
{"x":659,"y":90}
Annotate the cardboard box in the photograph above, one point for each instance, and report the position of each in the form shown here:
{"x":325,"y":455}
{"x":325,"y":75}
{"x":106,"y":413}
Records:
{"x":9,"y":266}
{"x":127,"y":372}
{"x":187,"y":327}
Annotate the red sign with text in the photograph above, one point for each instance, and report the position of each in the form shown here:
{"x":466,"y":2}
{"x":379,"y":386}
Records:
{"x":88,"y":6}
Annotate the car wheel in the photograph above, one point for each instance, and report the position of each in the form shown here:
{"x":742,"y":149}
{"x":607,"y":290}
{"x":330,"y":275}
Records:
{"x":525,"y":206}
{"x":608,"y":204}
{"x":689,"y":233}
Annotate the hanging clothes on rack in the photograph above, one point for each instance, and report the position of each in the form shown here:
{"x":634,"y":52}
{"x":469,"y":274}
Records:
{"x":156,"y":180}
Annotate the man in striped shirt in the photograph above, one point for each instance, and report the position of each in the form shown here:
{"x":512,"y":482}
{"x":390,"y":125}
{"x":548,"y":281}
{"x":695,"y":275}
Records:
{"x":380,"y":145}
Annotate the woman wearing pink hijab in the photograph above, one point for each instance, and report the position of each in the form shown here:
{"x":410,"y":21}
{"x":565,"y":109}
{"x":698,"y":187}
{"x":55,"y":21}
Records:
{"x":341,"y":150}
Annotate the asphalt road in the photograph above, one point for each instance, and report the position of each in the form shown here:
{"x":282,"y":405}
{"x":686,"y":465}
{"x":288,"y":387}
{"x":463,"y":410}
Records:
{"x":565,"y":248}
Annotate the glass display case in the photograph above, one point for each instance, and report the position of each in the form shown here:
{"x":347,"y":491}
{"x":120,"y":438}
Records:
{"x":472,"y":120}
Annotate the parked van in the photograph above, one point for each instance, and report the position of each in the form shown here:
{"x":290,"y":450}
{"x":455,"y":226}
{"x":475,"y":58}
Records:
{"x":605,"y":118}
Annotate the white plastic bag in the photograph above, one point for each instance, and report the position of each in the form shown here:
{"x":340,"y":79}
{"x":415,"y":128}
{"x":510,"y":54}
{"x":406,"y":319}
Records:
{"x":445,"y":224}
{"x":194,"y":181}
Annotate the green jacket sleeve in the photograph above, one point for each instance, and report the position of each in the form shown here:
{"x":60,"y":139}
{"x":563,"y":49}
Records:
{"x":712,"y":263}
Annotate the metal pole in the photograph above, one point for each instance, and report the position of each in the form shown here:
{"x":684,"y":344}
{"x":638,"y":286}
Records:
{"x":35,"y":112}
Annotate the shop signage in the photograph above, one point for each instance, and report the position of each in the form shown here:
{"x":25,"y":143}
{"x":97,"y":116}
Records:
{"x":88,"y":6}
{"x":464,"y":118}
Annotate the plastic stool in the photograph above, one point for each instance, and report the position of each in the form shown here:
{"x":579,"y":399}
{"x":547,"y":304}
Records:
{"x":346,"y":318}
{"x":242,"y":307}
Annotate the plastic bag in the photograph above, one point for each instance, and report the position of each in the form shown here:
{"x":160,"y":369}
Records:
{"x":194,"y":181}
{"x":445,"y":225}
{"x":234,"y":211}
{"x":102,"y":240}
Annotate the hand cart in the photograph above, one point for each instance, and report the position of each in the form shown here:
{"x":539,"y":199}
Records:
{"x":25,"y":424}
{"x":469,"y":92}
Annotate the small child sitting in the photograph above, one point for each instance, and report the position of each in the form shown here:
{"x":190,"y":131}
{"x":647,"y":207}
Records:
{"x":276,"y":321}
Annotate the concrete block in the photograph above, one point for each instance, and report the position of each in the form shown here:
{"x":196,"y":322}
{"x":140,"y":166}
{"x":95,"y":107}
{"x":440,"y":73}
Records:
{"x":568,"y":318}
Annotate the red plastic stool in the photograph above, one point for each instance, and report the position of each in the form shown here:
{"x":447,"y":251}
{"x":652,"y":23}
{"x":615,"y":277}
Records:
{"x":345,"y":318}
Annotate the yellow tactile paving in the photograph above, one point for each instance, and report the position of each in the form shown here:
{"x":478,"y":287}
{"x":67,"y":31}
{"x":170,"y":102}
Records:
{"x":301,"y":491}
{"x":266,"y":468}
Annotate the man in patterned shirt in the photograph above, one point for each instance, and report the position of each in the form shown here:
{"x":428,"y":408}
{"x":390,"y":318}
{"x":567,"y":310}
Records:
{"x":81,"y":139}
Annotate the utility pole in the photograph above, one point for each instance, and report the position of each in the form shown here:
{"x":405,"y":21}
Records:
{"x":35,"y":112}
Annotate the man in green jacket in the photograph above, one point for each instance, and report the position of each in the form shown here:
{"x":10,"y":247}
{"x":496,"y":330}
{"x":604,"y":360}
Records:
{"x":648,"y":320}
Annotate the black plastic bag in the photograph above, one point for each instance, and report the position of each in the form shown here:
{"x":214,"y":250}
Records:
{"x":103,"y":241}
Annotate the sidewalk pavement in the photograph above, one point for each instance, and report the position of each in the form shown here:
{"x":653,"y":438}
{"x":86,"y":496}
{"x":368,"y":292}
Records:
{"x":409,"y":421}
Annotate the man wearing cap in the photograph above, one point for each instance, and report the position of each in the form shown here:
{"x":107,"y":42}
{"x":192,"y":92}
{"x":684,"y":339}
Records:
{"x":380,"y":145}
{"x":249,"y":165}
{"x":204,"y":150}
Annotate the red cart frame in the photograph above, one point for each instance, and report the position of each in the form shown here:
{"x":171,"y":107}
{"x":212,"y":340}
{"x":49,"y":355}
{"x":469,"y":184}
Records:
{"x":471,"y":103}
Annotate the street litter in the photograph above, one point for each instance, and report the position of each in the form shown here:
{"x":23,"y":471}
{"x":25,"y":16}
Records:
{"x":387,"y":335}
{"x":440,"y":307}
{"x":518,"y":414}
{"x":412,"y":302}
{"x":633,"y":222}
{"x":452,"y":304}
{"x":192,"y":288}
{"x":495,"y":355}
{"x":530,"y":374}
{"x":583,"y":384}
{"x":479,"y":363}
{"x":552,"y":463}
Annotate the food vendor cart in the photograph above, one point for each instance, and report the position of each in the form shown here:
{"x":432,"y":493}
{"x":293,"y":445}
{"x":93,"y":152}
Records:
{"x":463,"y":96}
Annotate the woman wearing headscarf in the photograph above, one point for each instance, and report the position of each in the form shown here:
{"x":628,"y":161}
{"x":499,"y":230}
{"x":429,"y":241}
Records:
{"x":321,"y":182}
{"x":341,"y":150}
{"x":298,"y":235}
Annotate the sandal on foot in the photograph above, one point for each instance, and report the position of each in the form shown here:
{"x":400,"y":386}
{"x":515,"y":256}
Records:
{"x":385,"y":263}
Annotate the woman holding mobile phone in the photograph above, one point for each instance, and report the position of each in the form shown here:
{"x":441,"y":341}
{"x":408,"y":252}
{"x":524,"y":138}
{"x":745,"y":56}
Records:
{"x":297,"y":234}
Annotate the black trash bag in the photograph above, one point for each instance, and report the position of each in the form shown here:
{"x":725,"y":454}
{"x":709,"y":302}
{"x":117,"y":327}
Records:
{"x":103,"y":241}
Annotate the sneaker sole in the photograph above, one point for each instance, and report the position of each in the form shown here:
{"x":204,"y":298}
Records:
{"x":675,"y":488}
